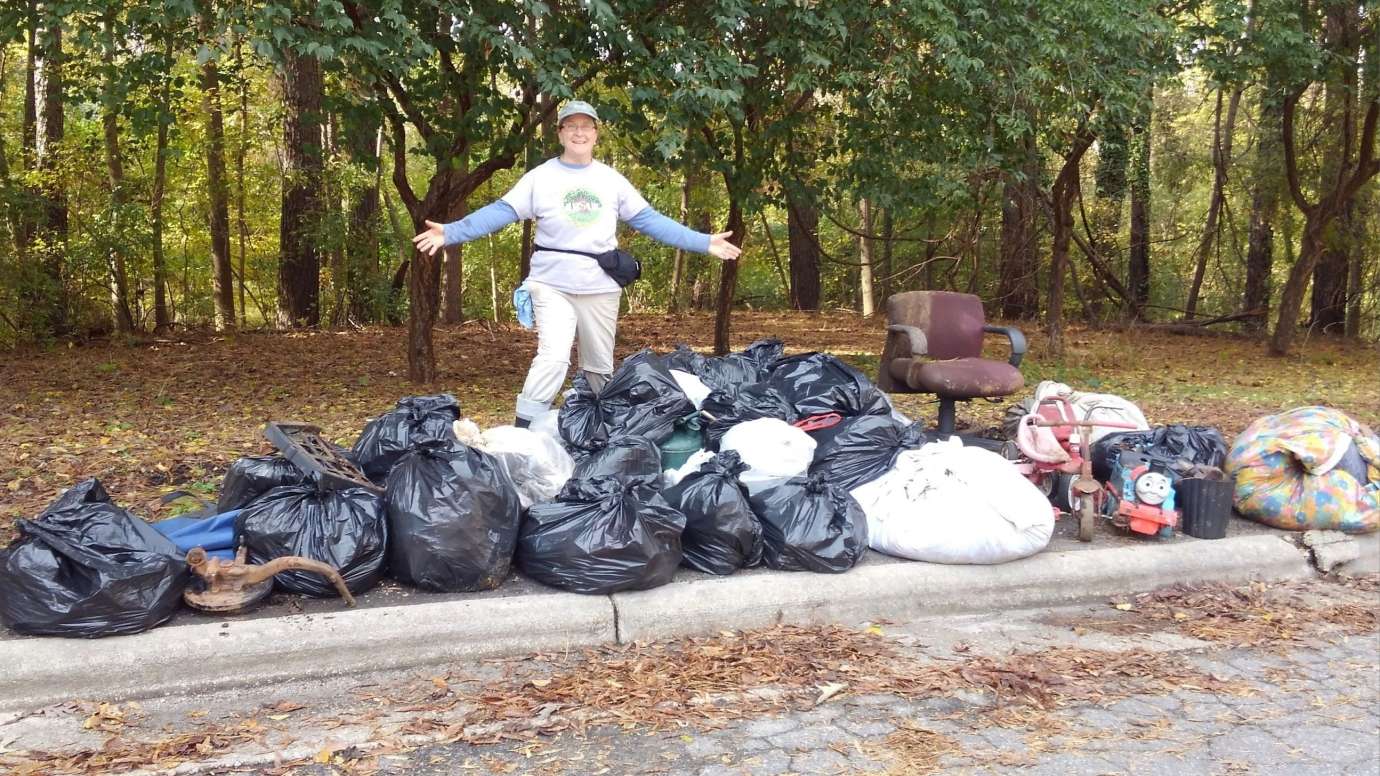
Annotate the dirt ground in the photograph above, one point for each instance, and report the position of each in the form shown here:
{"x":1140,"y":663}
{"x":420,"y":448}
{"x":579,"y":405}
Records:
{"x":162,"y":415}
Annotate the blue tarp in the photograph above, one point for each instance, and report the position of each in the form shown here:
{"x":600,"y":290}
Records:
{"x":215,"y":534}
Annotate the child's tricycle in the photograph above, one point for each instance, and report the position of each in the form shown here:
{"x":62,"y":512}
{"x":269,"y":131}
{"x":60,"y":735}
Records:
{"x":1055,"y":458}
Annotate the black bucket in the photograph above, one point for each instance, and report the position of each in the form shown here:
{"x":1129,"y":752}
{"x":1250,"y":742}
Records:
{"x":1206,"y":505}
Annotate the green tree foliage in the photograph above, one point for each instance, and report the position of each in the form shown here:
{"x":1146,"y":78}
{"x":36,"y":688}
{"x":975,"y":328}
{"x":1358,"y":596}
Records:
{"x":933,"y":112}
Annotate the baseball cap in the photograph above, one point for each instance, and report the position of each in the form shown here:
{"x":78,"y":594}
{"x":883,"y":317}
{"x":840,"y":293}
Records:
{"x":576,"y":107}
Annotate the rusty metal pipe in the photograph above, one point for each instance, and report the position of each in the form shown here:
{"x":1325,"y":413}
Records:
{"x":238,"y":574}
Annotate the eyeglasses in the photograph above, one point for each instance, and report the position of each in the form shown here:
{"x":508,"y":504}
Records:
{"x":579,"y":127}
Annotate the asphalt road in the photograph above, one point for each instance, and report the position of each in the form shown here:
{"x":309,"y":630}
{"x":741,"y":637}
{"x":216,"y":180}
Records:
{"x":1284,"y":680}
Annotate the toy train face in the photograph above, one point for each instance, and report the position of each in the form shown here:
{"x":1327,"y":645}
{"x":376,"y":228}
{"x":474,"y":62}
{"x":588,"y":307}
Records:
{"x":1153,"y":488}
{"x":1142,"y":498}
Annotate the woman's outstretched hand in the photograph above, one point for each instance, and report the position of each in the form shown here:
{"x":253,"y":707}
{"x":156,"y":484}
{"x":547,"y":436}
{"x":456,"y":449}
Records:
{"x":432,"y":240}
{"x":720,"y":246}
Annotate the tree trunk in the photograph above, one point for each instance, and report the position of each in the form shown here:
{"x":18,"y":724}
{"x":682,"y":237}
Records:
{"x":866,"y":302}
{"x":1264,"y":206}
{"x":1328,"y":302}
{"x":453,"y":284}
{"x":453,"y":272}
{"x":1138,"y":253}
{"x":115,"y":170}
{"x":28,"y":154}
{"x":1063,"y":194}
{"x":219,"y":217}
{"x":162,"y":321}
{"x":423,"y":287}
{"x":802,"y":237}
{"x":673,"y":303}
{"x":1318,"y":216}
{"x":1019,"y":258}
{"x":728,"y":278}
{"x":1363,"y":214}
{"x":50,"y":113}
{"x":362,"y":244}
{"x":1221,"y":158}
{"x":242,"y":148}
{"x":299,"y":264}
{"x":1105,"y":227}
{"x":884,"y":266}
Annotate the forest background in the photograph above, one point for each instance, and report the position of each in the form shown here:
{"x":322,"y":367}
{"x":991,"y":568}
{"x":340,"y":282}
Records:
{"x":171,"y":164}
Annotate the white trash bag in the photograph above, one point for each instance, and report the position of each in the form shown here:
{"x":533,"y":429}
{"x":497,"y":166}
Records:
{"x":774,"y":451}
{"x":692,"y":385}
{"x":536,"y":462}
{"x":946,"y":503}
{"x":692,"y":464}
{"x":1095,"y":406}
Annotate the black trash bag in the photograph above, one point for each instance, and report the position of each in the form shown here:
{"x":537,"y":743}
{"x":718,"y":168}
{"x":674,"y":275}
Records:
{"x":864,"y":449}
{"x":722,"y":534}
{"x":764,"y":351}
{"x":87,"y":568}
{"x":254,"y":475}
{"x":751,"y":365}
{"x":1178,"y":447}
{"x":453,"y":518}
{"x":345,"y":529}
{"x":731,"y":406}
{"x":623,"y":457}
{"x":415,"y":420}
{"x":684,"y":359}
{"x":818,"y":383}
{"x":643,"y":399}
{"x":602,"y":536}
{"x":810,"y":525}
{"x":581,"y":419}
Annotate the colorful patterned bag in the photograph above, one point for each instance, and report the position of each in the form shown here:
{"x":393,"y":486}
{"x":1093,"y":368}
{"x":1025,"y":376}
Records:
{"x":1308,"y":468}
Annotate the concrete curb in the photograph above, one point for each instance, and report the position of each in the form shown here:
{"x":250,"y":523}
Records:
{"x":213,"y":655}
{"x":901,"y":590}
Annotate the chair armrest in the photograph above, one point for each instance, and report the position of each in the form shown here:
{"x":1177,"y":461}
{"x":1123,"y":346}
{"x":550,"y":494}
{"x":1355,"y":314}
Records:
{"x":1017,"y":341}
{"x":915,"y":339}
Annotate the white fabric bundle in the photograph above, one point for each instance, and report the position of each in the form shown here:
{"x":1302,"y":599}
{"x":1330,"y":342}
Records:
{"x":946,"y":503}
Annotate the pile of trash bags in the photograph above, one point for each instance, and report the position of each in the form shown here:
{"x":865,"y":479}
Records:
{"x":803,"y":466}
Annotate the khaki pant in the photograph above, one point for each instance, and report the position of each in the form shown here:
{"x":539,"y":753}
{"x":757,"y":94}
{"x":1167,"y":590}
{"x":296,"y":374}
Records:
{"x":562,"y":320}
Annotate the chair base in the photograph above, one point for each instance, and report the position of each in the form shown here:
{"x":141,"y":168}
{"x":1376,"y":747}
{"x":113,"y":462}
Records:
{"x":947,"y":409}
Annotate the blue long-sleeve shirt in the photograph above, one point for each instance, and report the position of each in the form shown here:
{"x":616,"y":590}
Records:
{"x":648,"y":221}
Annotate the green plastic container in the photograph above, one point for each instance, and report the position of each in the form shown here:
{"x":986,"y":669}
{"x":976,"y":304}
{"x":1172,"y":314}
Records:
{"x":687,"y":440}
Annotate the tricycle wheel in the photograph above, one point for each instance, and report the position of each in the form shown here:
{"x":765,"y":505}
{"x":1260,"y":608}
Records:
{"x":1087,"y":514}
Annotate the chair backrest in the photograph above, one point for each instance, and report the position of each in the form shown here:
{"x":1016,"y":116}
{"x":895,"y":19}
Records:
{"x":952,"y":322}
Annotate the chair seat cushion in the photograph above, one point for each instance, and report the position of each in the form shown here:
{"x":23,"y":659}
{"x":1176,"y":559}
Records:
{"x":964,"y":378}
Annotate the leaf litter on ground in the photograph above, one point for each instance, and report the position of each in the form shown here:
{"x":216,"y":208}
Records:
{"x":165,"y":414}
{"x":707,"y":683}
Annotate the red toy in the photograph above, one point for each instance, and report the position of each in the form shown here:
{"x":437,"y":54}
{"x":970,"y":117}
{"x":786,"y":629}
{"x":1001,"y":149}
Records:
{"x":1142,"y":499}
{"x":1058,"y":462}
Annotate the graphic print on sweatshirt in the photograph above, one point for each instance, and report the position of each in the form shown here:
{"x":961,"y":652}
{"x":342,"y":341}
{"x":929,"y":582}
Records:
{"x":581,"y":206}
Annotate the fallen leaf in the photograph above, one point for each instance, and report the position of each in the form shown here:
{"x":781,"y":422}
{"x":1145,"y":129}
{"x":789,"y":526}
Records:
{"x":829,"y":690}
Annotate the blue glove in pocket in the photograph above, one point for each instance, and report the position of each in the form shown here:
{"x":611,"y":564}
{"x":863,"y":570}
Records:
{"x":522,"y":305}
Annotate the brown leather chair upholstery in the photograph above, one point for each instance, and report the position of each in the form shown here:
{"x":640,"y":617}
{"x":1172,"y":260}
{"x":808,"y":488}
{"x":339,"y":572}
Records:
{"x":934,"y":345}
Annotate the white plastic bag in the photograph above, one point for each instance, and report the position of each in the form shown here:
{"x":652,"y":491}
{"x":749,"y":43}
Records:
{"x":1095,"y":406}
{"x":546,"y":424}
{"x":694,"y":387}
{"x":535,"y":461}
{"x":692,"y":464}
{"x":946,"y":503}
{"x":774,"y":451}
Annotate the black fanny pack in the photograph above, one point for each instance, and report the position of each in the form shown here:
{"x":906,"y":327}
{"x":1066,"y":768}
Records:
{"x":617,"y":263}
